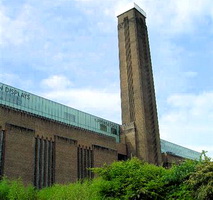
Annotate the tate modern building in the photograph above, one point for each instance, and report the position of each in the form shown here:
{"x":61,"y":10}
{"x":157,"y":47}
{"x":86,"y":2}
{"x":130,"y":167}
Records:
{"x":45,"y":142}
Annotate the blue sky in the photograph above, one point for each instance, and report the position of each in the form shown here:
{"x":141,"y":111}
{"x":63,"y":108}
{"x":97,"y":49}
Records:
{"x":67,"y":51}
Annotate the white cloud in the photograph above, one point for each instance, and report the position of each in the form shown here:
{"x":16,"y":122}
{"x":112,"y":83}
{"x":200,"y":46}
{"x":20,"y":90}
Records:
{"x":102,"y":103}
{"x":188,"y":122}
{"x":56,"y":82}
{"x":15,"y":80}
{"x":181,"y":16}
{"x":8,"y":78}
{"x":166,"y":20}
{"x":190,"y":74}
{"x":19,"y":29}
{"x":168,"y":70}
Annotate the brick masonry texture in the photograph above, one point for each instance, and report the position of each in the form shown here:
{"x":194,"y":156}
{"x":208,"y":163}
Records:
{"x":139,"y":110}
{"x":20,"y":132}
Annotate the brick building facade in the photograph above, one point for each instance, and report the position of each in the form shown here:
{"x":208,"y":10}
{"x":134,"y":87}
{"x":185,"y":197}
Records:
{"x":44,"y":142}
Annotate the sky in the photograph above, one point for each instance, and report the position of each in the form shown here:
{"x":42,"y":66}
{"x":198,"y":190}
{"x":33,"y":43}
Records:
{"x":67,"y":51}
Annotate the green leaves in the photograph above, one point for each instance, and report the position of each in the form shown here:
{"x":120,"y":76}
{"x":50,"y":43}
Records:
{"x":132,"y":179}
{"x":127,"y":180}
{"x":15,"y":190}
{"x":201,"y":181}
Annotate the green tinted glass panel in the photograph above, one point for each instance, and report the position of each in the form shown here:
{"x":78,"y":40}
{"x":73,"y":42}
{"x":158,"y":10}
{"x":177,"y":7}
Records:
{"x":21,"y":100}
{"x":171,"y":148}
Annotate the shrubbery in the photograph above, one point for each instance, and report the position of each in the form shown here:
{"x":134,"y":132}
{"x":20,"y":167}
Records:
{"x":15,"y":190}
{"x":132,"y":179}
{"x":201,"y":181}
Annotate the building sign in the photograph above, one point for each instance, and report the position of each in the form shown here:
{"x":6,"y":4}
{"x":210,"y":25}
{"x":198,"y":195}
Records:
{"x":11,"y":91}
{"x":107,"y":123}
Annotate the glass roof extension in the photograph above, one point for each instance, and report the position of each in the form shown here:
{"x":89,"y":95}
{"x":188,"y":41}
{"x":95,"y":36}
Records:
{"x":174,"y":149}
{"x":24,"y":101}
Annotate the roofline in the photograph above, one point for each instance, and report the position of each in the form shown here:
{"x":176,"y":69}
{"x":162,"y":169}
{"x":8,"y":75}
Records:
{"x":129,"y":7}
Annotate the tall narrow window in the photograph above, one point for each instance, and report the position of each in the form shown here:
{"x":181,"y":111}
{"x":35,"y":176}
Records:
{"x":2,"y":135}
{"x":85,"y":161}
{"x":44,"y":163}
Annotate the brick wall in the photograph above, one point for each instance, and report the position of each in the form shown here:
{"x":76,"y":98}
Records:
{"x":21,"y":129}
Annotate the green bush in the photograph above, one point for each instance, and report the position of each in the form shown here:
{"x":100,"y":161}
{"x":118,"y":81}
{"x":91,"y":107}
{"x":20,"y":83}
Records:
{"x":4,"y":189}
{"x":175,"y":186}
{"x":126,"y":180}
{"x":201,"y":181}
{"x":132,"y":179}
{"x":15,"y":190}
{"x":75,"y":191}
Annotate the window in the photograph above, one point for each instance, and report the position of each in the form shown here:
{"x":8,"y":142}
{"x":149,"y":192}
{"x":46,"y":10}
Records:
{"x":103,"y":127}
{"x":114,"y":131}
{"x":69,"y":116}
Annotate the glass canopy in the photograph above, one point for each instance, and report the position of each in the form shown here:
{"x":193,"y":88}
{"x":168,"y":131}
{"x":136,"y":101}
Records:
{"x":24,"y":101}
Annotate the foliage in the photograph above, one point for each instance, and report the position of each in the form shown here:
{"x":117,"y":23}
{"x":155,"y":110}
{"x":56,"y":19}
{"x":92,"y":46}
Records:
{"x":178,"y":173}
{"x":175,"y":186}
{"x":76,"y":191}
{"x":190,"y":180}
{"x":15,"y":190}
{"x":4,"y":189}
{"x":132,"y":180}
{"x":201,"y":181}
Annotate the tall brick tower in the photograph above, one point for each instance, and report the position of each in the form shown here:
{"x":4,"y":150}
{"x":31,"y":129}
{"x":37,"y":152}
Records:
{"x":139,"y":113}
